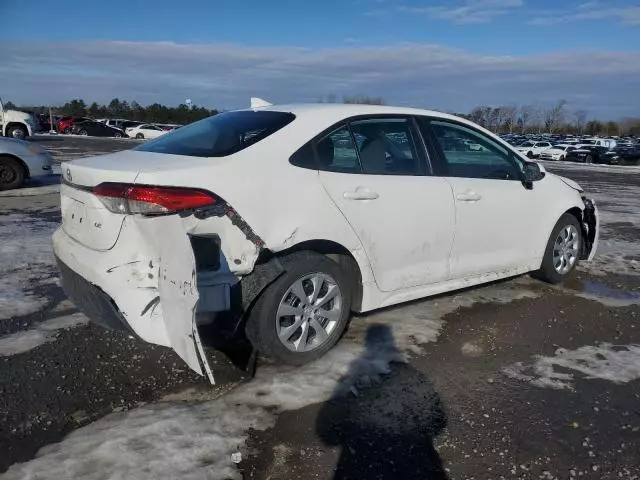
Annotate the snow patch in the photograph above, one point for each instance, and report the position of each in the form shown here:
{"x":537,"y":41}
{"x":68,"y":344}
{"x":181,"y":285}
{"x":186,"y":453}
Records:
{"x":31,"y":191}
{"x":23,"y":341}
{"x":616,"y":363}
{"x":196,"y":440}
{"x":26,"y":263}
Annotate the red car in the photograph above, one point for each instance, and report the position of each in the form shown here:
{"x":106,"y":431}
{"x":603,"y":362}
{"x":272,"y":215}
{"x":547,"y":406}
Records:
{"x":65,"y":123}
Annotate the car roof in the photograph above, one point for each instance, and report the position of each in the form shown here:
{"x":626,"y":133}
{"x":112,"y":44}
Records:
{"x":344,"y":110}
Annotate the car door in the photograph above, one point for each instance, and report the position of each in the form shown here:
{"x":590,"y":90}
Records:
{"x":494,"y":210}
{"x":374,"y":170}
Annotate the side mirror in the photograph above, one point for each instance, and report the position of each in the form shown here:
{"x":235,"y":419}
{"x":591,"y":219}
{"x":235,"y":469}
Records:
{"x":531,"y":173}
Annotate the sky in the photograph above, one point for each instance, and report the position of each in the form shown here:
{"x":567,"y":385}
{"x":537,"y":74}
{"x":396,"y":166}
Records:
{"x":449,"y":55}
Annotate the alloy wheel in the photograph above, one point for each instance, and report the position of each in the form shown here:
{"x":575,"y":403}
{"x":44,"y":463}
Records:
{"x":309,"y":312}
{"x":566,"y":249}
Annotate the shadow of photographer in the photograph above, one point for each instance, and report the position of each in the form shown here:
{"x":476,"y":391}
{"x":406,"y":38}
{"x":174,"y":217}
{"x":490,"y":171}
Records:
{"x":386,"y":432}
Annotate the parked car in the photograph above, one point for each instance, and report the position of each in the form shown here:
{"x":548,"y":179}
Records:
{"x":622,"y":155}
{"x":267,"y":215}
{"x":65,"y":124}
{"x":533,"y":149}
{"x":96,"y":129}
{"x":556,"y":152}
{"x":113,"y":122}
{"x":588,"y":154}
{"x":145,"y":131}
{"x":20,"y":160}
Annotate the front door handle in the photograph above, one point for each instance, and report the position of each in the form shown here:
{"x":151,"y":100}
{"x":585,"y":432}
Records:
{"x":360,"y":194}
{"x":469,"y":196}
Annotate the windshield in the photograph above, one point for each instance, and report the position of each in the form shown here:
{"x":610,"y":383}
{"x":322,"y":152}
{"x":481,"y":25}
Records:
{"x":220,"y":135}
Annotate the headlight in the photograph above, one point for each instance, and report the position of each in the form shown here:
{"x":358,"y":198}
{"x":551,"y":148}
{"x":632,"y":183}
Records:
{"x":37,"y":149}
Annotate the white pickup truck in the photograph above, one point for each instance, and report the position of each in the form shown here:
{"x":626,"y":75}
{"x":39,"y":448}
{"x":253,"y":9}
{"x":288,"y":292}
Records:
{"x":16,"y":124}
{"x":533,"y":149}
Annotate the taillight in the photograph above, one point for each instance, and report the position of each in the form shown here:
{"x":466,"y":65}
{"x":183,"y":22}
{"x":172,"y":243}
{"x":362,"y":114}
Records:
{"x":150,"y":200}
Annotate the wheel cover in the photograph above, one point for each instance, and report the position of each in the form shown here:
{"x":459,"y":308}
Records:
{"x":309,"y":312}
{"x":7,"y":174}
{"x":18,"y":133}
{"x":566,"y":249}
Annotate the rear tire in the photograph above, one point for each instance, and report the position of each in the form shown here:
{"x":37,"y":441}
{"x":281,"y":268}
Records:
{"x":530,"y":154}
{"x":271,"y":324}
{"x":140,"y":136}
{"x":84,"y":133}
{"x":12,"y":174}
{"x":18,"y":132}
{"x":562,"y":254}
{"x":588,"y":159}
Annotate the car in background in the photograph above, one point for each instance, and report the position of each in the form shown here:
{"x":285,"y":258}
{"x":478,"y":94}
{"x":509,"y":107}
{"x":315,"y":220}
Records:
{"x":588,"y":154}
{"x":20,"y":160}
{"x":65,"y":124}
{"x":113,"y":122}
{"x":145,"y":131}
{"x":289,"y":273}
{"x":96,"y":129}
{"x":533,"y":149}
{"x":623,"y":155}
{"x":556,"y":152}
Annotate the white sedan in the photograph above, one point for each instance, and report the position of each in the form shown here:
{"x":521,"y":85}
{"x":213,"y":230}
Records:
{"x":288,"y":218}
{"x":557,"y":152}
{"x":145,"y":131}
{"x":20,"y":160}
{"x":533,"y":149}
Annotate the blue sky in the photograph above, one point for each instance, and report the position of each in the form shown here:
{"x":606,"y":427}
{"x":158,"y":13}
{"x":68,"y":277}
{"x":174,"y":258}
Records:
{"x":444,"y":54}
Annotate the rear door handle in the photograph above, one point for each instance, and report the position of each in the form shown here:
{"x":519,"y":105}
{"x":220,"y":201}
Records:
{"x":469,"y":196}
{"x":360,"y":194}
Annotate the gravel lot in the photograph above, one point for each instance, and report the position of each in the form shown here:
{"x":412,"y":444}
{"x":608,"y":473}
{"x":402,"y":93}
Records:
{"x":517,"y":379}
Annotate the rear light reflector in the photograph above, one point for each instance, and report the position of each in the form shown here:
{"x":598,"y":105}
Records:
{"x":150,"y":200}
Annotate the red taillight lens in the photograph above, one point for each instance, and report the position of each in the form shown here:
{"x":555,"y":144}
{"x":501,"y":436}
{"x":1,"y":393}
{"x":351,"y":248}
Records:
{"x":150,"y":200}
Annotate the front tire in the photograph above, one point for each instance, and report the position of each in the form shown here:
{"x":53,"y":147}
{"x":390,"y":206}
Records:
{"x":140,"y":136}
{"x":530,"y":154}
{"x":563,"y":250}
{"x":302,"y":315}
{"x":588,"y":159}
{"x":84,"y":133}
{"x":12,"y":174}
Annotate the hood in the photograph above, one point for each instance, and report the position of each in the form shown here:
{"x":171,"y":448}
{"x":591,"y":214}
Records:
{"x":571,"y":183}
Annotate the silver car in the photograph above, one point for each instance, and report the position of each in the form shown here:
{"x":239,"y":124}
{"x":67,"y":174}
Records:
{"x":20,"y":160}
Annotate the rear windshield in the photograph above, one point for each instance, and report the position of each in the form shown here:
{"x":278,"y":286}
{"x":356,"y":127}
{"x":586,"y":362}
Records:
{"x":220,"y":135}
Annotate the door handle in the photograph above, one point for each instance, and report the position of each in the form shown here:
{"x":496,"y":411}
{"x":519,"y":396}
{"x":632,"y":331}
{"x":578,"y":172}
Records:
{"x":469,"y":196}
{"x":360,"y":194}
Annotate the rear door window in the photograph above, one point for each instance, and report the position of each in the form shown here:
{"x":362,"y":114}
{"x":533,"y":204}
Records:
{"x":221,"y":135}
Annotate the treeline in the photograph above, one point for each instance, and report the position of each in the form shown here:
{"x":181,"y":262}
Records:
{"x":533,"y":118}
{"x":551,"y":118}
{"x":116,"y":108}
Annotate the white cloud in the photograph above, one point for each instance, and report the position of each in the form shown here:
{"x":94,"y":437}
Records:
{"x":468,"y":11}
{"x":593,"y":10}
{"x":226,"y":75}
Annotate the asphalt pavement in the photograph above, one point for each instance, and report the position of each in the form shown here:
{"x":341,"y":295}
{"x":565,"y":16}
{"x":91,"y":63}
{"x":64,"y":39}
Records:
{"x":518,"y":379}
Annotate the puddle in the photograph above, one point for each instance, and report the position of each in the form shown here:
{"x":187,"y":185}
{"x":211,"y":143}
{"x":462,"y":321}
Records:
{"x":603,"y":293}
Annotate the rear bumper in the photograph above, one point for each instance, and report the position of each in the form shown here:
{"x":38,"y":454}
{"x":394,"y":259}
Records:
{"x":90,"y":300}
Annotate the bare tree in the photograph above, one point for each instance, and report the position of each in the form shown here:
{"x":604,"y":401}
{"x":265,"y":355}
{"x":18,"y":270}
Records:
{"x":510,"y":116}
{"x":553,"y":116}
{"x":361,"y":99}
{"x":581,"y":119}
{"x":330,"y":98}
{"x":526,"y":112}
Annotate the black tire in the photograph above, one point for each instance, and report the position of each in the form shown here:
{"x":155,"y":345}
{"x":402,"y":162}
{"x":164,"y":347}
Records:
{"x":261,"y":321}
{"x":562,"y":158}
{"x":12,"y":173}
{"x":84,"y":133}
{"x":588,"y":159}
{"x":67,"y":131}
{"x":117,"y":135}
{"x":18,"y":132}
{"x":140,"y":136}
{"x":547,"y":271}
{"x":530,"y":154}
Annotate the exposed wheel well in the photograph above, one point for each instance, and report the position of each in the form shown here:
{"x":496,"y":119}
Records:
{"x":339,"y":254}
{"x":577,"y":213}
{"x":27,"y":174}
